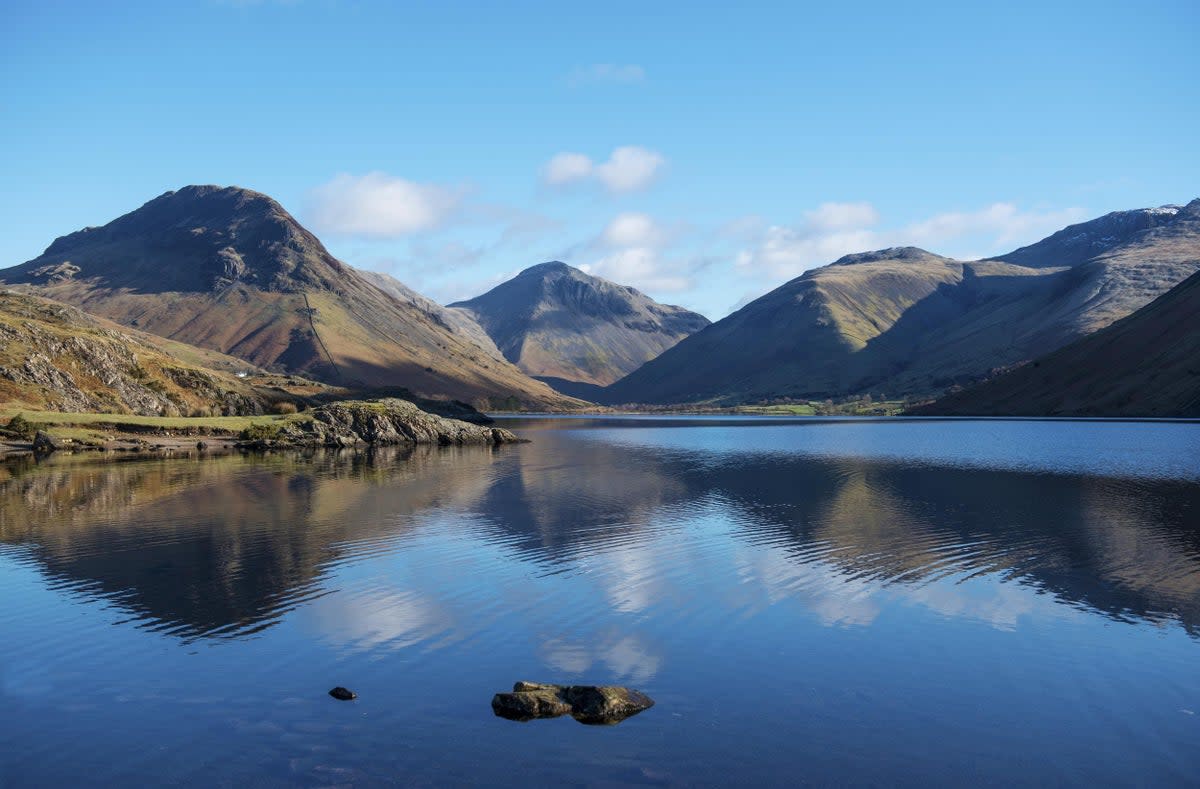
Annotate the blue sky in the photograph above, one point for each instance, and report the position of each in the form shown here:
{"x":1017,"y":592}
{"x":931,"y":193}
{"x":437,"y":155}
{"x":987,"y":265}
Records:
{"x":703,"y":152}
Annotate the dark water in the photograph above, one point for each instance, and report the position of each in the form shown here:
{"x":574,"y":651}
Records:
{"x":890,"y":603}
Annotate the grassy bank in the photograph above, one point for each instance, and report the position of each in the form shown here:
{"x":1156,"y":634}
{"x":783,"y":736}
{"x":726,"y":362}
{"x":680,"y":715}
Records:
{"x":99,"y":428}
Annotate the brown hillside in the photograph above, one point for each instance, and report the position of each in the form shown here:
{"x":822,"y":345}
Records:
{"x":229,"y":269}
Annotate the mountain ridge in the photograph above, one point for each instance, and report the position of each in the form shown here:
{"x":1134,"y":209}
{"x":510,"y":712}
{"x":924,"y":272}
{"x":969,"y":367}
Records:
{"x":905,"y":321}
{"x":557,"y":322}
{"x":230,"y":269}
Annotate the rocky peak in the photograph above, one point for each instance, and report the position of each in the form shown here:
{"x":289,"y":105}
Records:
{"x":551,"y":268}
{"x":909,"y":254}
{"x":557,"y":321}
{"x":196,"y":238}
{"x":1190,"y":211}
{"x":1078,"y":243}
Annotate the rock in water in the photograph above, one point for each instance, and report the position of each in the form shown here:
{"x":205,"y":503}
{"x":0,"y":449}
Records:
{"x":341,"y":694}
{"x":524,"y":704}
{"x":43,"y":444}
{"x":605,"y":704}
{"x":591,"y":704}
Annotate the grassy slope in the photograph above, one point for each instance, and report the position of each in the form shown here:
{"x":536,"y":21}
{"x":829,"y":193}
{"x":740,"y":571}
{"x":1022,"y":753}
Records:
{"x":85,"y":362}
{"x":1147,"y":364}
{"x":796,"y":341}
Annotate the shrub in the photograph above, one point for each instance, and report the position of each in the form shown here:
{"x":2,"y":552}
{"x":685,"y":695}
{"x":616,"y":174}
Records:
{"x":259,"y":432}
{"x":20,"y":427}
{"x":285,"y":407}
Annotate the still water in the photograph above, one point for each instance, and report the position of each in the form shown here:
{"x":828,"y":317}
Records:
{"x":914,"y":602}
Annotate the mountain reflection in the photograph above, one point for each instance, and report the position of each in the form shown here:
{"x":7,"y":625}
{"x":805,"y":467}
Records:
{"x":226,"y":546}
{"x":202,"y":547}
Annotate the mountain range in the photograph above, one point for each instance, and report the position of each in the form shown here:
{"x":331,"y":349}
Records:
{"x":222,"y":278}
{"x":229,"y":269}
{"x":906,"y":322}
{"x":567,"y":327}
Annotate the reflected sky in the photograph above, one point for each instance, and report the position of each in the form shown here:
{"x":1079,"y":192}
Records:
{"x":811,"y":559}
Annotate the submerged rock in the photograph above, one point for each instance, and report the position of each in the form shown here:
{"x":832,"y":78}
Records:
{"x":591,"y":704}
{"x":342,"y":694}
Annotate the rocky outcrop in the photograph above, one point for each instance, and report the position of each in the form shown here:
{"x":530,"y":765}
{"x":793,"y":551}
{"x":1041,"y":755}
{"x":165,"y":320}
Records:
{"x":43,"y":444}
{"x":62,"y":359}
{"x":591,"y":704}
{"x":385,"y":422}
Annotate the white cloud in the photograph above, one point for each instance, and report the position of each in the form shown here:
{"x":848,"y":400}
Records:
{"x":788,"y":252}
{"x":826,"y":233}
{"x":743,"y":228}
{"x":610,"y":73}
{"x":632,"y":229}
{"x":379,"y":205}
{"x":633,"y":249}
{"x":839,"y":216}
{"x":643,"y":268}
{"x":565,"y":168}
{"x":628,"y":169}
{"x":835,"y":229}
{"x":1004,"y":222}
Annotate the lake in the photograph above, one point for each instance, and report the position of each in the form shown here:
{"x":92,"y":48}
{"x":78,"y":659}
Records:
{"x":809,"y":601}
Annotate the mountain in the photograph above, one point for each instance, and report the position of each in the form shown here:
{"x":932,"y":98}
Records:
{"x":458,"y":321}
{"x":229,"y":269}
{"x":1146,"y":364}
{"x":904,"y":321}
{"x":57,"y":358}
{"x":557,"y":323}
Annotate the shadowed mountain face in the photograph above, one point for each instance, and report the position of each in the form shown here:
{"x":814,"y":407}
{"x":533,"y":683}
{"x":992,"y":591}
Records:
{"x":230,"y":270}
{"x":905,"y":321}
{"x":1147,"y":364}
{"x":556,"y":322}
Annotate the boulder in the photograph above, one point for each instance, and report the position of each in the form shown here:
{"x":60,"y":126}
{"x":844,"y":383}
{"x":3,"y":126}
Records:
{"x":43,"y":444}
{"x":605,"y":704}
{"x":342,"y":694}
{"x":590,"y":704}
